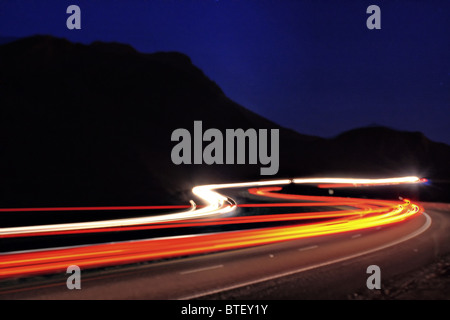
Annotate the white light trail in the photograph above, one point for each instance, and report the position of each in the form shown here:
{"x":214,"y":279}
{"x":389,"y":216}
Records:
{"x":217,"y":204}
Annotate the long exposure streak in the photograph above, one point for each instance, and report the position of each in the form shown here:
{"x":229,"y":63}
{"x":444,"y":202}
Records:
{"x":346,"y":214}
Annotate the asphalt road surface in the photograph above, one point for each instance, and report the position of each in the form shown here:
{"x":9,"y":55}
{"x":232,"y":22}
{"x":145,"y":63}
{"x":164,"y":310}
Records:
{"x":322,"y":267}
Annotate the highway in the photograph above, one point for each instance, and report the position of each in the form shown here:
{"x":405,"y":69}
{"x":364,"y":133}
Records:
{"x":304,"y":254}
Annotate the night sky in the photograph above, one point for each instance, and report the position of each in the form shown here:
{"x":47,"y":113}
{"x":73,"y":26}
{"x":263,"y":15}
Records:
{"x":312,"y":66}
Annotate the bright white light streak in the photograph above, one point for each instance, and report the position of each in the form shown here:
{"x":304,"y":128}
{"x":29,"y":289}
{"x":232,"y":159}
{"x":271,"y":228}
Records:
{"x":411,"y":179}
{"x":217,"y":204}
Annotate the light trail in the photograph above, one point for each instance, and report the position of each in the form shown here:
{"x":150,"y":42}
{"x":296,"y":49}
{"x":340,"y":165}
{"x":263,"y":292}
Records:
{"x":346,"y":183}
{"x":217,"y":204}
{"x":360,"y":182}
{"x":49,"y":209}
{"x":365,"y":214}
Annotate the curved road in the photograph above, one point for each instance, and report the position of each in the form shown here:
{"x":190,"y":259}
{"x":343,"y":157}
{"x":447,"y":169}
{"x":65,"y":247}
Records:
{"x":319,"y":267}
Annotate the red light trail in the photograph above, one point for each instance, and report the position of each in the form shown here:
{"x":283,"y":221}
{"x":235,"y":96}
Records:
{"x":361,"y":214}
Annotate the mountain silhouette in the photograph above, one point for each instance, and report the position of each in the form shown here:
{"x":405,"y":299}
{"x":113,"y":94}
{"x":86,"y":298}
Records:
{"x":92,"y":124}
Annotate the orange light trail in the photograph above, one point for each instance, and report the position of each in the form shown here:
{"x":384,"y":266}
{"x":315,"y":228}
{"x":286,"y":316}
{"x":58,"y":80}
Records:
{"x":362,"y":214}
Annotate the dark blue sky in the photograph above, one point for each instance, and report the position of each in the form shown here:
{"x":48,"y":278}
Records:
{"x":308,"y":65}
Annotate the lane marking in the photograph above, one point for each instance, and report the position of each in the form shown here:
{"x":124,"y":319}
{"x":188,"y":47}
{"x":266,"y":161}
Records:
{"x":202,"y":269}
{"x":422,"y":229}
{"x":308,"y":248}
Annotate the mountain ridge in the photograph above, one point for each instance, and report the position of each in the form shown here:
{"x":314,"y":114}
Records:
{"x":91,"y":124}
